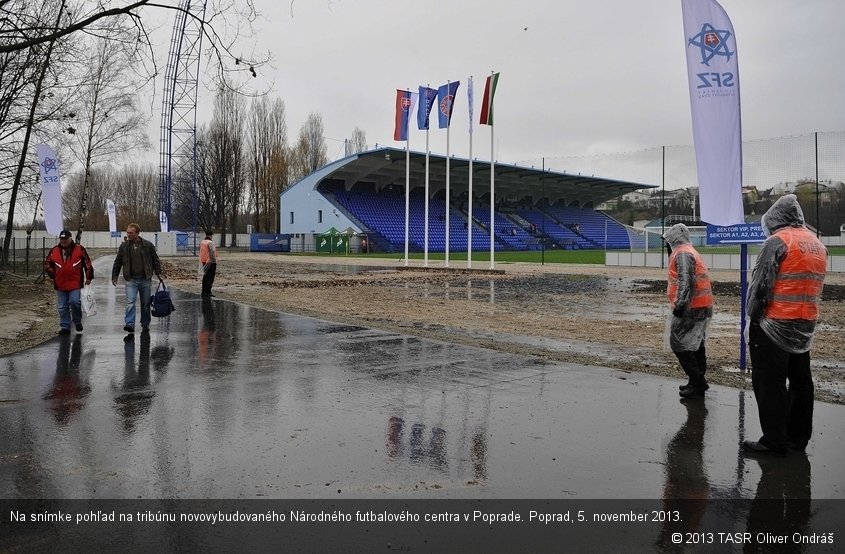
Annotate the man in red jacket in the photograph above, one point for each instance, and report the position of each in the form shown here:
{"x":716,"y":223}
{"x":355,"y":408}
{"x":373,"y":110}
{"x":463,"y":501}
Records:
{"x":69,"y":266}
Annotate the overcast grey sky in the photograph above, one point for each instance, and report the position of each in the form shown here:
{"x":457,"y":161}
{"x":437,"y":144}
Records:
{"x":577,"y":77}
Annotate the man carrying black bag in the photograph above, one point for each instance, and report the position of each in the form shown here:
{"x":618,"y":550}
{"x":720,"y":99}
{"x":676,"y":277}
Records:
{"x":139,"y":261}
{"x":160,"y":303}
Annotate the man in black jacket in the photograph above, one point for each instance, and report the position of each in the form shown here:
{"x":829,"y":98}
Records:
{"x":139,"y":261}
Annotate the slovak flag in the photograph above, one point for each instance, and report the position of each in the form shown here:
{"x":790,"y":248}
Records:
{"x":428,"y":96}
{"x":445,"y":101}
{"x":405,"y":100}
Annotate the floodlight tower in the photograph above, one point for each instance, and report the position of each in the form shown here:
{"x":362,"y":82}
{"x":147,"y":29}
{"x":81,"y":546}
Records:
{"x":179,"y":107}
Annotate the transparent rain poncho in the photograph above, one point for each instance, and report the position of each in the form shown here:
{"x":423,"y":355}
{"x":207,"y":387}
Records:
{"x":685,"y":333}
{"x":792,"y":335}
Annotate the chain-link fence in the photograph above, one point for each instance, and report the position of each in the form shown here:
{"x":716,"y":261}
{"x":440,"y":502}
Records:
{"x":809,"y":165}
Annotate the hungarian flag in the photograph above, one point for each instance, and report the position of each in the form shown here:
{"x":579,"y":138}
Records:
{"x":405,"y":100}
{"x":445,"y":101}
{"x":427,"y":98}
{"x":487,"y":102}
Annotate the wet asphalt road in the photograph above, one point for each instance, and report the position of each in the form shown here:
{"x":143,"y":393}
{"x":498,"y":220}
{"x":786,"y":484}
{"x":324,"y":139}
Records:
{"x":222,"y":400}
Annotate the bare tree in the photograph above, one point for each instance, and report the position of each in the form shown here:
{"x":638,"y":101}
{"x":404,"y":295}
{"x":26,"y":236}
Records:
{"x":221,"y":176}
{"x":33,"y":29}
{"x":30,"y":121}
{"x":358,"y":142}
{"x":130,"y":187}
{"x":269,"y":166}
{"x":21,"y":33}
{"x":111,"y":121}
{"x":310,"y":152}
{"x":27,"y":117}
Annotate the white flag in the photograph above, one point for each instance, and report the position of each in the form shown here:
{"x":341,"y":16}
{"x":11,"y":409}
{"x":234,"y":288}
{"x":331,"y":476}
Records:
{"x":713,"y":74}
{"x":162,"y":217}
{"x":469,"y":98}
{"x":112,"y":211}
{"x":51,"y":189}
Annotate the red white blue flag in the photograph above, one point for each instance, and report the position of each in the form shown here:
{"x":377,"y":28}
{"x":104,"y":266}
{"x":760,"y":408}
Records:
{"x":445,"y":102}
{"x":405,"y":100}
{"x":713,"y":74}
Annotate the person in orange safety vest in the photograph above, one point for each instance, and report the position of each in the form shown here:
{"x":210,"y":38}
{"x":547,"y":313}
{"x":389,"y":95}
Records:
{"x":783,"y":306}
{"x":208,"y":262}
{"x":691,"y":301}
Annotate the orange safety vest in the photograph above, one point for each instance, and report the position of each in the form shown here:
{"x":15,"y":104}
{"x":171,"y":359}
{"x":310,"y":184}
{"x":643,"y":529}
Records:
{"x":798,"y":285}
{"x":702,"y":294}
{"x":204,"y":254}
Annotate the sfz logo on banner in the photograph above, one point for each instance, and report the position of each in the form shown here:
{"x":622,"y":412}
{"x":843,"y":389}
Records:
{"x":714,"y":42}
{"x":49,"y":164}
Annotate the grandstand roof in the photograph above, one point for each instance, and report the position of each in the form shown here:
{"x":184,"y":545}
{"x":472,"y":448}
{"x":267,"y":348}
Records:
{"x":386,"y":166}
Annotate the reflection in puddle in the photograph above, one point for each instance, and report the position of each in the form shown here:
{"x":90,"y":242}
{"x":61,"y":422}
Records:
{"x":594,"y":296}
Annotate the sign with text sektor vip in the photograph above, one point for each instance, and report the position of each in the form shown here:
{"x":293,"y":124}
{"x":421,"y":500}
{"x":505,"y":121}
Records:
{"x":735,"y":234}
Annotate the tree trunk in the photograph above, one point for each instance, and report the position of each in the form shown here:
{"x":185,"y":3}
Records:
{"x":16,"y":184}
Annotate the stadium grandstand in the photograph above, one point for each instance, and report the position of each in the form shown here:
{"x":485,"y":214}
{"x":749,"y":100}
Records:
{"x":364,"y":195}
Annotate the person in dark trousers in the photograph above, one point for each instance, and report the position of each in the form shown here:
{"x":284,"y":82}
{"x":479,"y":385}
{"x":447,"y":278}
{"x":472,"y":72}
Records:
{"x":783,"y":306}
{"x":69,"y":266}
{"x":691,"y":300}
{"x":208,"y":259}
{"x":139,"y":261}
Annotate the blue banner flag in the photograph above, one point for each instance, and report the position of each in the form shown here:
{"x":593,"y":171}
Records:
{"x":445,"y":101}
{"x":427,"y":98}
{"x":404,"y":107}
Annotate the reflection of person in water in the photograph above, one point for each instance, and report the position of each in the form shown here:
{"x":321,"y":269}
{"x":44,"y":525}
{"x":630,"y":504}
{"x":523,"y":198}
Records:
{"x":437,"y":449}
{"x":479,"y":454}
{"x":687,"y":488}
{"x":395,"y":431}
{"x":781,"y":505}
{"x":207,"y":336}
{"x":67,"y":389}
{"x":133,"y":403}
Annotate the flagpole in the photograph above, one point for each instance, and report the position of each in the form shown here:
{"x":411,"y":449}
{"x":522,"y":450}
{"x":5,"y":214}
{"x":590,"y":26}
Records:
{"x":446,"y":219}
{"x":407,"y":190}
{"x":469,"y":214}
{"x":425,"y":232}
{"x":492,"y":177}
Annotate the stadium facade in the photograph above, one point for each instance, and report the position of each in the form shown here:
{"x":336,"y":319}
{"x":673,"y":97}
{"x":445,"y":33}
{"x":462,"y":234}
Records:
{"x":364,"y":195}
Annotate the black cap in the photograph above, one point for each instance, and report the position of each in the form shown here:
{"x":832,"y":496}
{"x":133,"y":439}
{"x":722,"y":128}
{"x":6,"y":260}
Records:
{"x":65,"y":234}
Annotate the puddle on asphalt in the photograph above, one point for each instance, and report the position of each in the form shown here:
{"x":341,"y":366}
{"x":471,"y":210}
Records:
{"x":595,"y":296}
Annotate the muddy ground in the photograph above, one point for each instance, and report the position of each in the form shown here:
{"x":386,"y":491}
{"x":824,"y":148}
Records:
{"x":591,"y":315}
